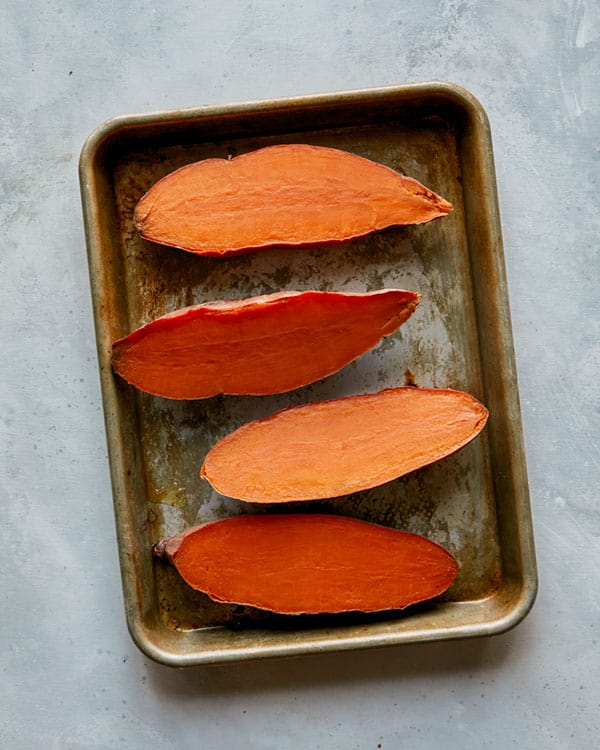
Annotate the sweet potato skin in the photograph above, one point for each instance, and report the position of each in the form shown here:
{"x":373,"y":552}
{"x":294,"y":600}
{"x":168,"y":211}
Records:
{"x":332,"y":448}
{"x":310,"y":563}
{"x":257,"y":346}
{"x":287,"y":195}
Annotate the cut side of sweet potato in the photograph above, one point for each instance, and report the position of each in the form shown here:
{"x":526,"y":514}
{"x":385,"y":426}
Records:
{"x":257,"y":346}
{"x":310,"y":564}
{"x":280,"y":195}
{"x":336,"y":447}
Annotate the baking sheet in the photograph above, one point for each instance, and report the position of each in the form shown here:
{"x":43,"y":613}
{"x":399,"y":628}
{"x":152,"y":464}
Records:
{"x":474,"y":503}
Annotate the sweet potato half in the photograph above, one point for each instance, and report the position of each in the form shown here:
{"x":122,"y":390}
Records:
{"x":257,"y":346}
{"x":280,"y":195}
{"x":310,"y":564}
{"x":332,"y":448}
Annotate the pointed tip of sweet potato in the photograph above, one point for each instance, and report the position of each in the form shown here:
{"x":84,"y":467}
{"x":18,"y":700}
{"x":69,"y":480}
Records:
{"x":167,"y":548}
{"x":444,"y":206}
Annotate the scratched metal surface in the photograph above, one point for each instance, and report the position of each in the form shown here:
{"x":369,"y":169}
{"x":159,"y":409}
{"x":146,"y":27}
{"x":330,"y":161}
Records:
{"x":455,"y":502}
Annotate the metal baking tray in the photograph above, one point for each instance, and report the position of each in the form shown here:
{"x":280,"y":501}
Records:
{"x":475,"y":503}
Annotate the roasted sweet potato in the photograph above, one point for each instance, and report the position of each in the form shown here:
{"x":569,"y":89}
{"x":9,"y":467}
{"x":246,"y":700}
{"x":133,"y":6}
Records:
{"x":332,"y":448}
{"x":280,"y":195}
{"x":310,"y":564}
{"x":257,"y":346}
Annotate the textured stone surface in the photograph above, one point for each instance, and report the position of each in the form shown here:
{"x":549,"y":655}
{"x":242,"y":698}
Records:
{"x":71,"y":676}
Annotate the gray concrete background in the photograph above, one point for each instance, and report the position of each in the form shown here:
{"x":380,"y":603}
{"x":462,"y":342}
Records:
{"x":71,"y":677}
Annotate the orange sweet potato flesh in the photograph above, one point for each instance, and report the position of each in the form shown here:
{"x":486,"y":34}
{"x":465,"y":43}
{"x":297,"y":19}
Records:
{"x":280,"y":195}
{"x":333,"y":448}
{"x":257,"y":346}
{"x":310,"y":564}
